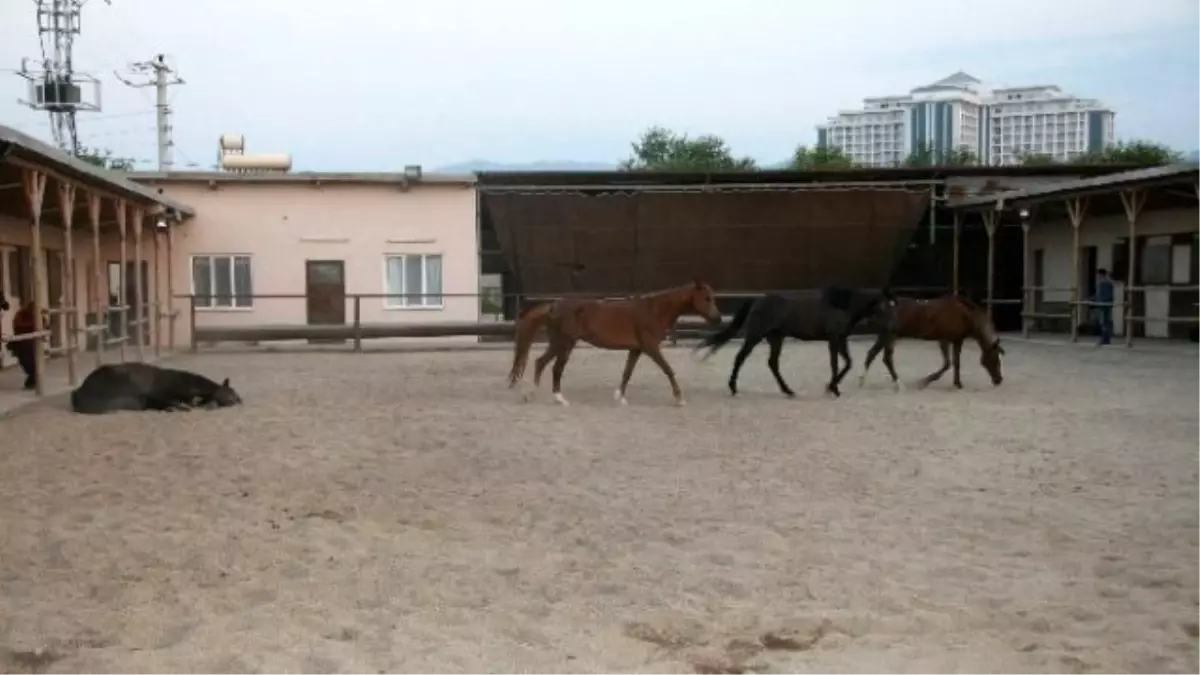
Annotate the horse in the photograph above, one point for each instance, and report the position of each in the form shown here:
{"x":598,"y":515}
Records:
{"x":4,"y":306}
{"x":829,"y":314}
{"x":949,"y":320}
{"x":142,"y":386}
{"x":637,"y":325}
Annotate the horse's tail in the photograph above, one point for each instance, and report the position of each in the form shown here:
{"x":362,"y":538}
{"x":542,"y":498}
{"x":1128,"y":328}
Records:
{"x":722,"y":337}
{"x":530,"y":321}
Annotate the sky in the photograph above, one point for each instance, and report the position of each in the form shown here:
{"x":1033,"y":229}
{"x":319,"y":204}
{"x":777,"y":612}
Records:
{"x":373,"y":85}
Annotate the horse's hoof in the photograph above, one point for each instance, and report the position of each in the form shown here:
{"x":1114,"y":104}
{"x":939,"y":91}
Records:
{"x":679,"y":402}
{"x":833,"y":393}
{"x":561,"y":400}
{"x":619,"y":398}
{"x":898,"y":387}
{"x":790,"y":394}
{"x":527,"y":396}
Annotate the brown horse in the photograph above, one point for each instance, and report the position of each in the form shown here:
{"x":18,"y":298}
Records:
{"x":949,"y":320}
{"x":638,"y":325}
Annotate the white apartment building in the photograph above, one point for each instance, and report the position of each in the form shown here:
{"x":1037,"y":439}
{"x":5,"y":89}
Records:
{"x":996,"y":124}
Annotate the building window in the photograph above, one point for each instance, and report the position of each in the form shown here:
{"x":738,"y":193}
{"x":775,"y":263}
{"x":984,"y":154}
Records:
{"x":222,"y":281}
{"x":413,"y":281}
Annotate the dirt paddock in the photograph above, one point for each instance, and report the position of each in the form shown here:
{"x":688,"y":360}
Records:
{"x":406,"y":512}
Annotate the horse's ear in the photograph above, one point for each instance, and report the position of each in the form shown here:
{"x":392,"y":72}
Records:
{"x":225,"y":383}
{"x":698,"y":282}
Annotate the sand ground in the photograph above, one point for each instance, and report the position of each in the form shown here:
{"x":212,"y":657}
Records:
{"x":406,"y":512}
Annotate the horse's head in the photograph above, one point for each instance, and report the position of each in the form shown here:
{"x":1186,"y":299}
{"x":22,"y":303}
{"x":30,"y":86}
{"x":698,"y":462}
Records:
{"x":990,"y":349}
{"x":223,"y":397}
{"x":704,"y":302}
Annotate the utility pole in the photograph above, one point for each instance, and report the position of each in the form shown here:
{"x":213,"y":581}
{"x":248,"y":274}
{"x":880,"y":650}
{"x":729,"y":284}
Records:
{"x":162,"y":77}
{"x":57,"y":87}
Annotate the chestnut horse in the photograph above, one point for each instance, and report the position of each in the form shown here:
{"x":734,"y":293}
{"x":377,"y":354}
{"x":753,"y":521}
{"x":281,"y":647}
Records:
{"x":638,"y":325}
{"x":949,"y":320}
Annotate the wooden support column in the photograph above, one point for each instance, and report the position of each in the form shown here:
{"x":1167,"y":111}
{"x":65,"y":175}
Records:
{"x":1076,"y":207}
{"x":34,"y":183}
{"x":122,"y":301}
{"x":170,"y":287}
{"x":100,"y":294}
{"x":989,"y":224}
{"x":155,"y":292}
{"x":955,"y":254}
{"x":139,"y":287}
{"x":66,"y":204}
{"x":1027,"y":293}
{"x":1133,"y":201}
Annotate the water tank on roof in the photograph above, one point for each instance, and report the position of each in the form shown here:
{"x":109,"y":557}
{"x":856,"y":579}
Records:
{"x":235,"y":142}
{"x":257,"y":163}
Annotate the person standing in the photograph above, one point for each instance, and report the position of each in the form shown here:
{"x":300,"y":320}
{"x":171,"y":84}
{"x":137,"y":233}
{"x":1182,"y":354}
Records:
{"x":26,"y":350}
{"x":1102,"y":301}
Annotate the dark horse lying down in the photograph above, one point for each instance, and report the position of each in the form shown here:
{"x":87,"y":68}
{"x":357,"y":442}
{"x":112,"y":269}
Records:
{"x":829,"y":314}
{"x":141,"y":386}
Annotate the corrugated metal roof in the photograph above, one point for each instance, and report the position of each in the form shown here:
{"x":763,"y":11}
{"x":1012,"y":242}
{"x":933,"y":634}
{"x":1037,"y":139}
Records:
{"x":1175,"y":173}
{"x":386,"y":178}
{"x":113,"y":181}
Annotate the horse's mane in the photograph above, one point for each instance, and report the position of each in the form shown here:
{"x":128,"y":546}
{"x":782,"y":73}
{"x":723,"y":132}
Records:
{"x":969,"y":303}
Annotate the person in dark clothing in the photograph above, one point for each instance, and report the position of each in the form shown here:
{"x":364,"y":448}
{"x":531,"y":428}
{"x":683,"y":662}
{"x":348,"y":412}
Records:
{"x":25,"y":350}
{"x":1102,"y":302}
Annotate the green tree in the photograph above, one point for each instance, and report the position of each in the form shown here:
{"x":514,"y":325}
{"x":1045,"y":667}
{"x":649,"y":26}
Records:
{"x":104,"y":159}
{"x":925,"y":155}
{"x":820,"y":157}
{"x":661,"y":149}
{"x":1144,"y":153}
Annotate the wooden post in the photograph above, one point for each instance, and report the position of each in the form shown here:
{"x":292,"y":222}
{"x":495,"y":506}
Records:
{"x":66,"y":204}
{"x":35,"y":191}
{"x":357,"y":323}
{"x":122,"y":301}
{"x":170,"y":287}
{"x":1076,"y":207}
{"x":989,"y":224}
{"x":957,"y":231}
{"x":156,"y":291}
{"x":1027,"y":303}
{"x":101,"y":299}
{"x":1133,"y":201}
{"x":139,"y":287}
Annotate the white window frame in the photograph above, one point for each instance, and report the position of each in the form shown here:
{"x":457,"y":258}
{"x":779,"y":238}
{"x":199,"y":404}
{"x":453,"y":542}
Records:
{"x":394,"y":304}
{"x":232,"y":286}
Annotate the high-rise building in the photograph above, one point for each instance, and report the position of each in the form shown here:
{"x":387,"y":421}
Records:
{"x":998,"y":125}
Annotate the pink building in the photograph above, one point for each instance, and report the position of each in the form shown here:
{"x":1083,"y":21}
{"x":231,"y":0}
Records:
{"x":305,"y":243}
{"x":406,"y":243}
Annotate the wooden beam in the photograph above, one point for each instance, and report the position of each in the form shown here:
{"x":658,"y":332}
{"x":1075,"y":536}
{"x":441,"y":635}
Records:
{"x":170,"y":288}
{"x":35,"y":192}
{"x":1027,"y":300}
{"x":989,"y":224}
{"x":66,"y":200}
{"x":100,"y":293}
{"x":122,"y":301}
{"x":1076,"y":208}
{"x":957,"y":240}
{"x":1133,"y":201}
{"x":155,"y":291}
{"x":139,"y":287}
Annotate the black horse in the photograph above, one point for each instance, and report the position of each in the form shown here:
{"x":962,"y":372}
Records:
{"x":141,"y":386}
{"x":829,"y":314}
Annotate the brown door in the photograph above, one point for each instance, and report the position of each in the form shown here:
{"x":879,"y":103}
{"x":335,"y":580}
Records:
{"x":325,"y":289}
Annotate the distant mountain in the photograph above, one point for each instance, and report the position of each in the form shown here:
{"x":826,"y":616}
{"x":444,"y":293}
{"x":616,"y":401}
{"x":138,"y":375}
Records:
{"x":474,"y":165}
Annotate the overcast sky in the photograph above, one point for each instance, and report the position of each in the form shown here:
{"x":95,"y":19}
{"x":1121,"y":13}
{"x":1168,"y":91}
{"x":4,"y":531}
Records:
{"x":376,"y":84}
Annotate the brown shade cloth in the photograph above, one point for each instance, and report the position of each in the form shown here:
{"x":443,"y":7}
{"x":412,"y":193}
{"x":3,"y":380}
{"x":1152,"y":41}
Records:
{"x":619,"y":243}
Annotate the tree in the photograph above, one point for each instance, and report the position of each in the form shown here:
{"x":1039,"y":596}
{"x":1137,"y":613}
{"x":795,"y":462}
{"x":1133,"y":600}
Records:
{"x":1144,"y":153}
{"x":925,"y":155}
{"x":820,"y":157}
{"x":661,"y":149}
{"x":1036,"y":159}
{"x":104,"y":159}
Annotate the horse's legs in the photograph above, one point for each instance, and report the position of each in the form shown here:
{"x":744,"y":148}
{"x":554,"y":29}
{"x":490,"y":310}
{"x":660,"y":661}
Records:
{"x":880,"y":344}
{"x":838,"y":347}
{"x":655,"y":355}
{"x":888,"y":351}
{"x":937,"y":374}
{"x":560,"y":364}
{"x":544,"y":360}
{"x":957,"y":352}
{"x":748,"y":345}
{"x":630,"y":361}
{"x":775,"y":340}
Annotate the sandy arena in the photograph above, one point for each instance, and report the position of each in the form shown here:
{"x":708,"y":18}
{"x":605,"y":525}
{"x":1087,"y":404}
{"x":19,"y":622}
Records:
{"x":406,"y":512}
